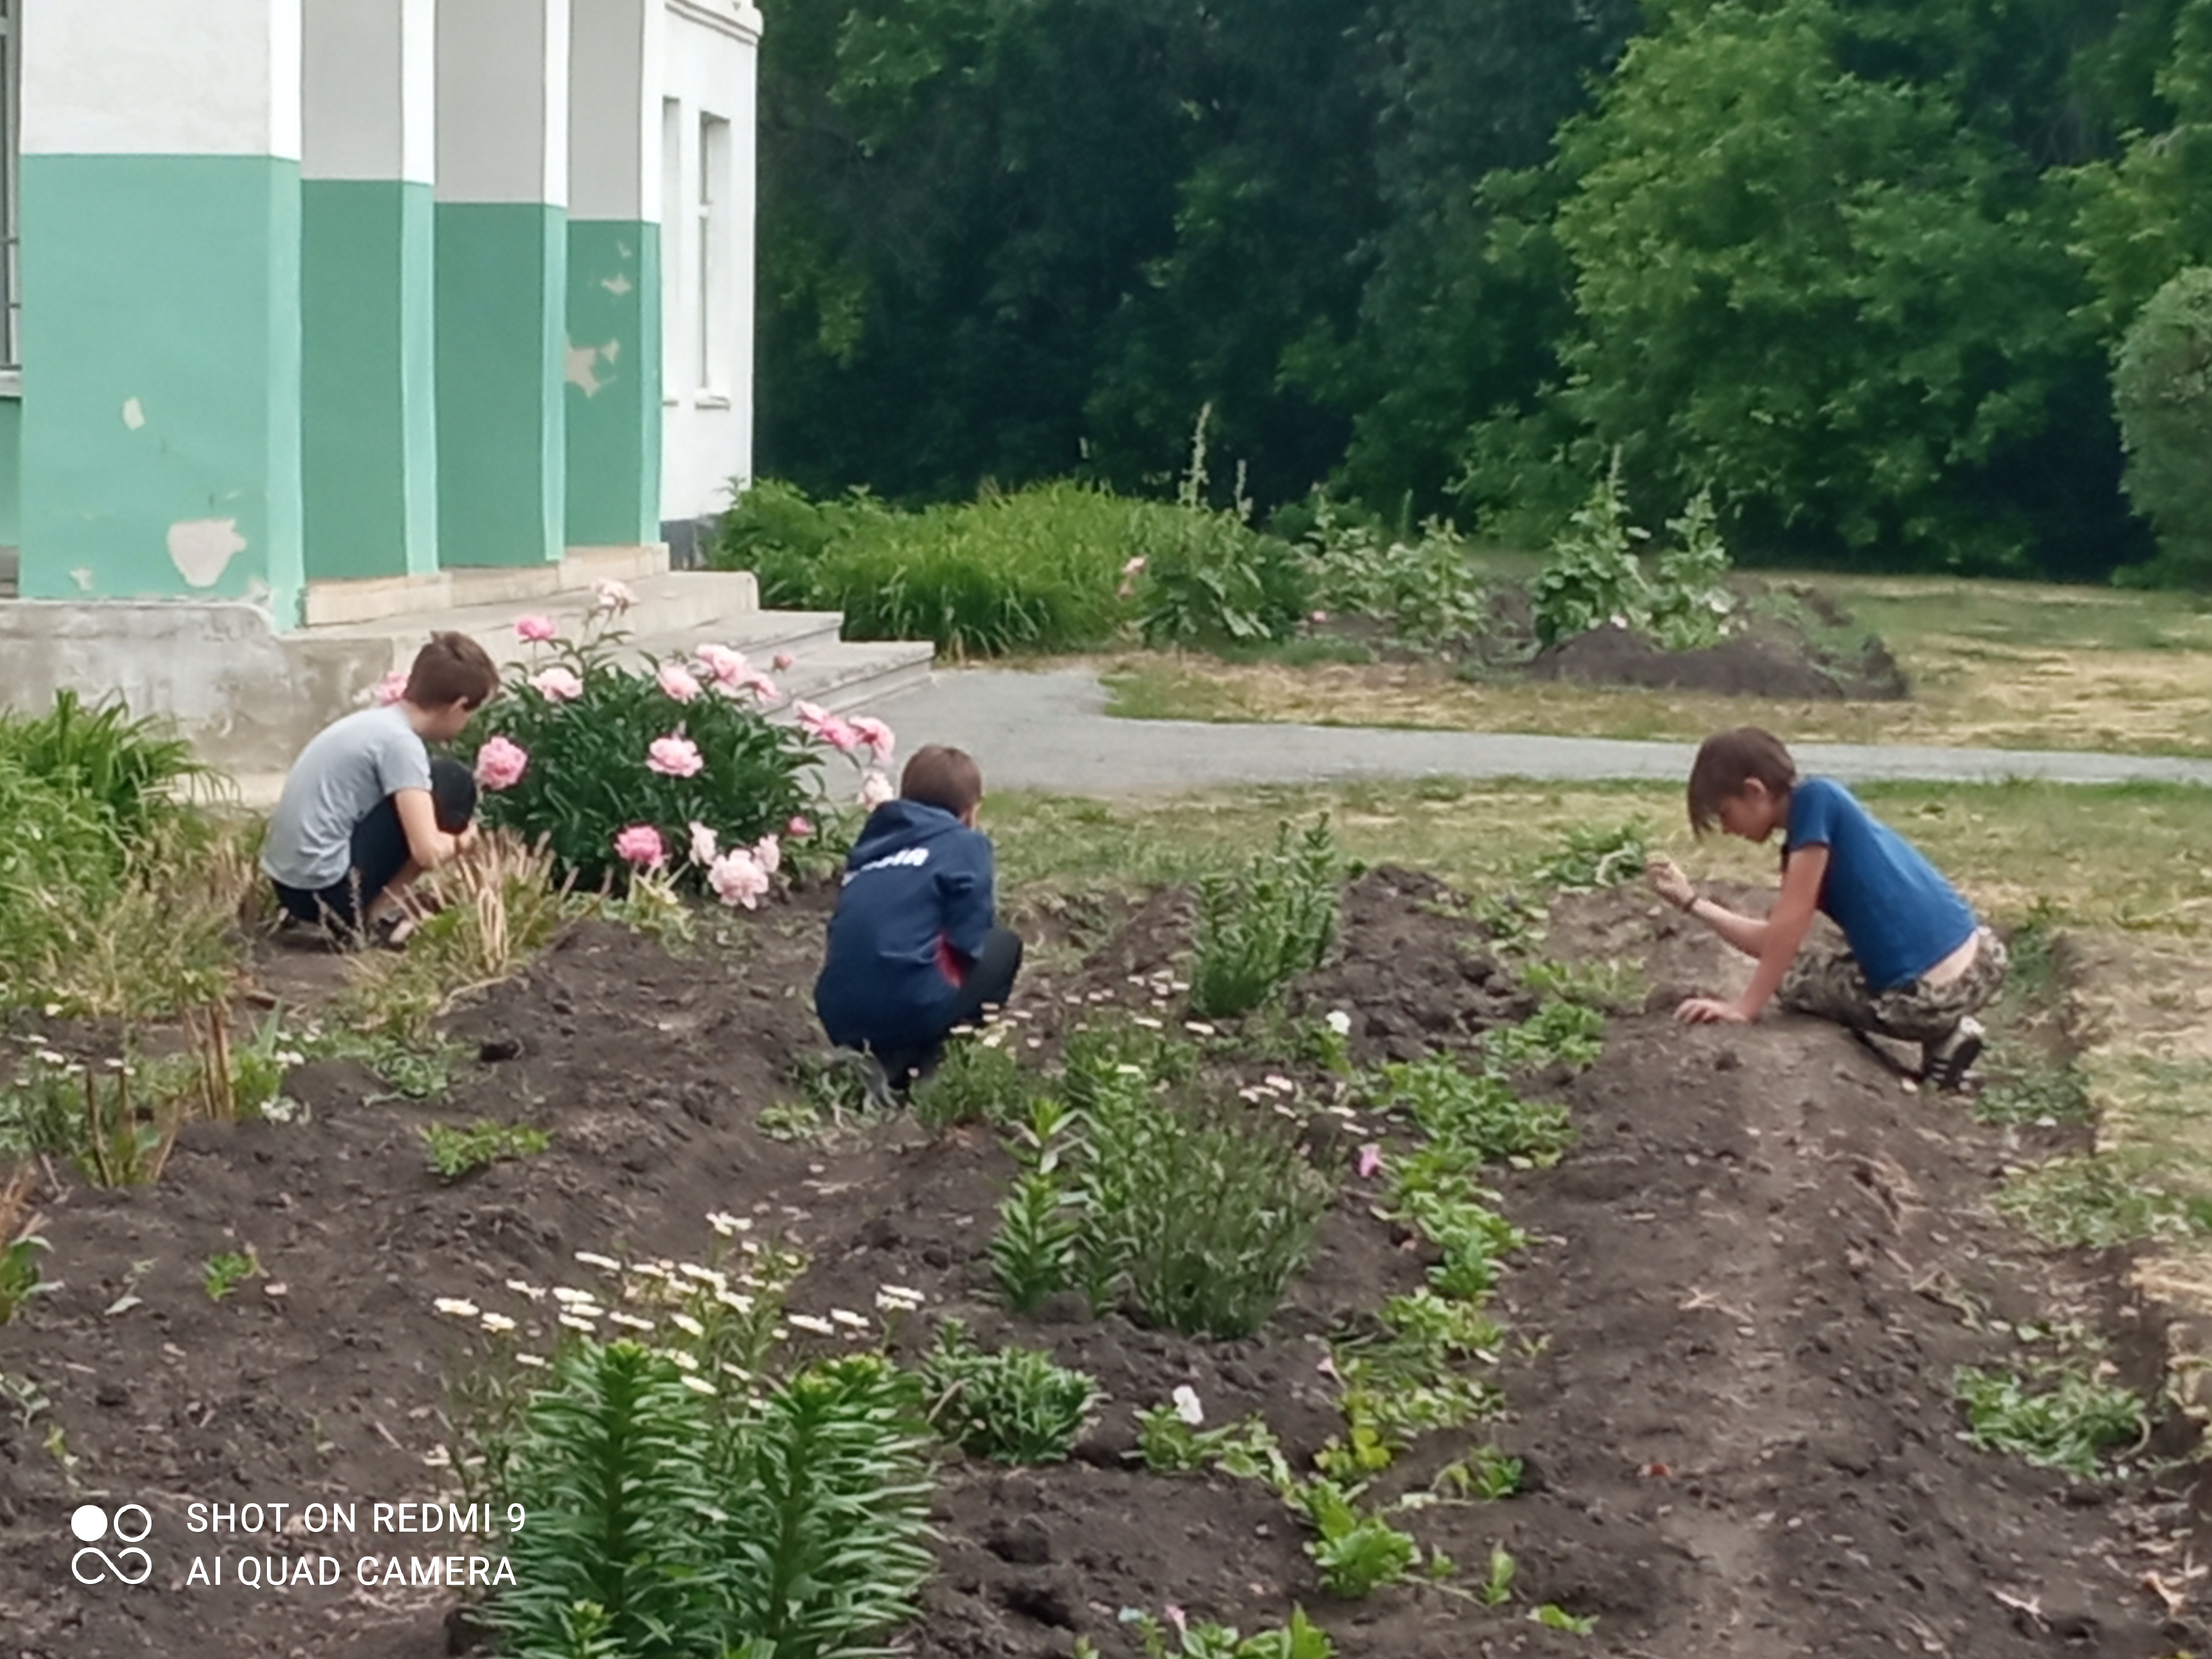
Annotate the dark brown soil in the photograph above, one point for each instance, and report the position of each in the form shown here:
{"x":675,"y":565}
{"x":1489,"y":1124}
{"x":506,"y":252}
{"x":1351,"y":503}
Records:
{"x":1774,"y":657}
{"x":1733,"y":1333}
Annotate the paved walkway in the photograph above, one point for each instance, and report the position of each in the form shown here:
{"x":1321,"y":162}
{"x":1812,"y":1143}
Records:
{"x":1051,"y":731}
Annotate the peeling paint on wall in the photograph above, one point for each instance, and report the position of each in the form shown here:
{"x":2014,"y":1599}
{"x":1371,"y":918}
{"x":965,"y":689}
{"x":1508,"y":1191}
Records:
{"x":134,"y":413}
{"x":616,"y":284}
{"x":202,"y":549}
{"x":82,"y":577}
{"x":583,"y":365}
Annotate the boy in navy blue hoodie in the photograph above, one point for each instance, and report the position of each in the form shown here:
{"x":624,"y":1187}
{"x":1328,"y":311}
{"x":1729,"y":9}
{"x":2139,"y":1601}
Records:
{"x":914,"y":947}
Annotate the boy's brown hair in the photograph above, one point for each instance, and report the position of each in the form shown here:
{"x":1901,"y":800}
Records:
{"x":451,"y":668}
{"x":938,"y":776}
{"x":1728,"y":760}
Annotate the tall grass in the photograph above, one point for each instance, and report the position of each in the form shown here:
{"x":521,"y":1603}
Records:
{"x":1040,"y":570}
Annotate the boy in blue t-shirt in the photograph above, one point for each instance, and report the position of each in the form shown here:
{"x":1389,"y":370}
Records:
{"x":1917,"y":963}
{"x":915,"y":948}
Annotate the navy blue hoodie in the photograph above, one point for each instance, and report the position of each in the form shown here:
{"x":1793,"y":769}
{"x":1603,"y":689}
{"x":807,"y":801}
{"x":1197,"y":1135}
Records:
{"x":913,"y":913}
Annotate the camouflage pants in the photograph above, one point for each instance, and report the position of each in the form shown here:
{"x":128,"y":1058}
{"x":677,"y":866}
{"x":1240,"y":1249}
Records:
{"x":1826,"y":981}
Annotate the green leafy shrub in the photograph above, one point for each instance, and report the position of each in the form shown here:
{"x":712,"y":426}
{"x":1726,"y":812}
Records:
{"x":1423,"y":590}
{"x":589,"y":775}
{"x":1208,"y":579}
{"x":2162,"y":389}
{"x":2064,"y":1423}
{"x":1595,"y":574}
{"x":1012,"y":1407}
{"x":1268,"y":923}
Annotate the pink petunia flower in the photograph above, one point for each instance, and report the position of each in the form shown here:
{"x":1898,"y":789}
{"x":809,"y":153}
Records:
{"x":674,"y":757}
{"x":875,"y":790}
{"x":705,"y":844}
{"x":500,"y":763}
{"x":535,"y":629}
{"x":557,"y":684}
{"x":391,"y":688}
{"x":1370,"y":1160}
{"x":641,"y":845}
{"x":676,"y":681}
{"x":768,"y":853}
{"x":800,"y":828}
{"x":782,"y":661}
{"x":738,"y":878}
{"x":876,"y":735}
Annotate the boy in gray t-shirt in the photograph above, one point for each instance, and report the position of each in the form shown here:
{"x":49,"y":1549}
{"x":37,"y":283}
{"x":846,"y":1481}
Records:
{"x":365,"y":810}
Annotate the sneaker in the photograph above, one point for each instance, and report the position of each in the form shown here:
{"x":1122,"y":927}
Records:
{"x":1944,"y":1064}
{"x":874,"y":1081}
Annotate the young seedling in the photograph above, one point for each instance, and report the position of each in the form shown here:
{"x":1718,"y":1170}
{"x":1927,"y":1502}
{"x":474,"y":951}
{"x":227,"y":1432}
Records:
{"x":18,"y":1273}
{"x":1498,"y":1589}
{"x":1012,"y":1407}
{"x":454,"y":1152}
{"x":227,"y":1272}
{"x":1557,"y":1618}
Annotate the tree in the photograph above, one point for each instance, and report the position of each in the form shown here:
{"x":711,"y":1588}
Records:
{"x":2162,"y":384}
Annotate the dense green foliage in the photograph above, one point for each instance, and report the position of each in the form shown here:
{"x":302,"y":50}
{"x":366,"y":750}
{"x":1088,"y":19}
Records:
{"x":2163,"y":385}
{"x":1862,"y":267}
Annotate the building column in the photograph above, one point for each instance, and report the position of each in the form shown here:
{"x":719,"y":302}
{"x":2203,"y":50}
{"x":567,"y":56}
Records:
{"x":367,"y":289}
{"x":160,"y":219}
{"x":502,"y":259}
{"x":612,"y":359}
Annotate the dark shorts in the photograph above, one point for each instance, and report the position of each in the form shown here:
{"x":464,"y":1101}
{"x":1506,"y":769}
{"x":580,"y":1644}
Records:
{"x":380,"y":852}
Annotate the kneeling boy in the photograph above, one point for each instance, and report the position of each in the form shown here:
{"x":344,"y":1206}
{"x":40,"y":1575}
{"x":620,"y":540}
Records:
{"x":1917,"y":964}
{"x":914,"y":946}
{"x":365,"y":809}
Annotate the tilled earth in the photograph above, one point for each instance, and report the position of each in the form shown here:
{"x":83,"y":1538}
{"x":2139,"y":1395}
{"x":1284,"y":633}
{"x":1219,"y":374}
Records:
{"x":1730,"y":1375}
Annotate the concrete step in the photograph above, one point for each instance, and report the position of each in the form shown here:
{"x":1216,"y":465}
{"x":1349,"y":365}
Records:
{"x":693,"y":604}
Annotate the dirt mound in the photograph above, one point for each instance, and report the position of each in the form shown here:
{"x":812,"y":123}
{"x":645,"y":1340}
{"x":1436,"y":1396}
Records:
{"x":1769,"y":659}
{"x":1728,"y":1366}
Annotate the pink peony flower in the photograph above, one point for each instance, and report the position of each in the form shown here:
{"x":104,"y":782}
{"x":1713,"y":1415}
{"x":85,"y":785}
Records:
{"x":738,"y":878}
{"x":1370,"y":1160}
{"x":704,"y":843}
{"x":557,"y":684}
{"x":768,"y":853}
{"x":676,"y":680}
{"x":800,"y":828}
{"x":535,"y":629}
{"x":613,"y":597}
{"x":877,"y":736}
{"x":875,"y":790}
{"x":724,"y":666}
{"x":391,"y":688}
{"x":641,"y":845}
{"x":500,"y":763}
{"x":674,"y":756}
{"x":782,"y":661}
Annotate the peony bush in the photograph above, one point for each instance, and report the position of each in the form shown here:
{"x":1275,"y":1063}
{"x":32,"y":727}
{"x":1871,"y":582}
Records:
{"x":671,"y":772}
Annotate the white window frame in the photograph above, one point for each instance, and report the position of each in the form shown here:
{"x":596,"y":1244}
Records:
{"x":711,"y":263}
{"x":672,"y":246}
{"x":11,"y":289}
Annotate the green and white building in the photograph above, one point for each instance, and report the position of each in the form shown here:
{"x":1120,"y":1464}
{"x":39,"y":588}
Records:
{"x":328,"y":321}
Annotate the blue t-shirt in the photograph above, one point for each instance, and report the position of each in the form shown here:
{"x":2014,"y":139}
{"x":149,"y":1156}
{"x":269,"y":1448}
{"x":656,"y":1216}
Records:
{"x":1900,"y":917}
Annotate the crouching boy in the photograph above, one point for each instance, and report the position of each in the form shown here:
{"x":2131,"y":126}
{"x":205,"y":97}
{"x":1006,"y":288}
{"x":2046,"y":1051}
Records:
{"x":365,"y":810}
{"x":1916,"y":964}
{"x":914,"y":947}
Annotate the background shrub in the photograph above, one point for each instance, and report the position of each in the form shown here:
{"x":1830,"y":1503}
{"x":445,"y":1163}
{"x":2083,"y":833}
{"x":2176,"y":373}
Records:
{"x":2162,"y":387}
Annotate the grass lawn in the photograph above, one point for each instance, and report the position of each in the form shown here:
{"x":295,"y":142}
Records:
{"x":2002,"y":665}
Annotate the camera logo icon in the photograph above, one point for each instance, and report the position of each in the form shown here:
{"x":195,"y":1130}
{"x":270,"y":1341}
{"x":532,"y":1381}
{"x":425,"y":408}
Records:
{"x":90,"y":1523}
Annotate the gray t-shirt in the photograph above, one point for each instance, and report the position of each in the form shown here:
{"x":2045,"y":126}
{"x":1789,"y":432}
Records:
{"x":351,"y":765}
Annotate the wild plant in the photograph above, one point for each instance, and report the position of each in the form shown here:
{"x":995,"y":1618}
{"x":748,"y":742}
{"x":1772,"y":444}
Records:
{"x":1475,"y":1114}
{"x":1611,"y":987}
{"x":1552,"y":1617}
{"x":1171,"y":1442}
{"x":136,"y":773}
{"x":19,"y":1280}
{"x":1591,"y":576}
{"x":1422,"y":585}
{"x":1496,"y":1589}
{"x":226,"y":1272}
{"x":1268,"y":923}
{"x":1014,"y":1406}
{"x":455,"y":1152}
{"x":2063,"y":1420}
{"x":1435,"y":1196}
{"x":979,"y":1081}
{"x":1595,"y":856}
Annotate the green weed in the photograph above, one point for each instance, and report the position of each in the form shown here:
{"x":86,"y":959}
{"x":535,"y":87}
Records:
{"x":1595,"y":857}
{"x":1473,"y":1113}
{"x":2043,"y":1097}
{"x":454,"y":1152}
{"x":1557,"y":1618}
{"x":19,"y":1280}
{"x":1014,"y":1406}
{"x":227,"y":1272}
{"x":2095,"y":1203}
{"x":1570,"y":1034}
{"x":2065,"y":1423}
{"x":980,"y":1081}
{"x":1299,"y":1639}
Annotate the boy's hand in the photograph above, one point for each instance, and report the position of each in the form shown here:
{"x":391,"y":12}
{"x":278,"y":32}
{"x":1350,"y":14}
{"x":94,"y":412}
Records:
{"x":470,"y":835}
{"x":1713,"y":1010}
{"x":1667,"y":881}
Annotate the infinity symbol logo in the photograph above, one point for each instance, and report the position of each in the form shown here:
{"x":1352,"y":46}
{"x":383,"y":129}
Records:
{"x":90,"y":1524}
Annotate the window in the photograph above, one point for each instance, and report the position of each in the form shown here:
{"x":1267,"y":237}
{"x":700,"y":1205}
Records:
{"x":671,"y":245}
{"x":11,"y":287}
{"x":714,"y":301}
